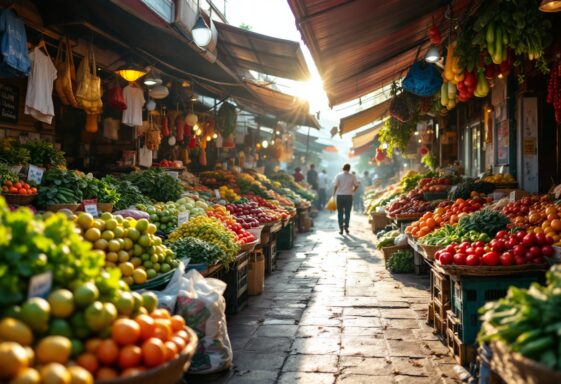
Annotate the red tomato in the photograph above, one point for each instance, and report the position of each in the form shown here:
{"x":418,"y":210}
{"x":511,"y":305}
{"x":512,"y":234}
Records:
{"x":529,"y":240}
{"x":501,"y":234}
{"x":445,"y":258}
{"x":490,"y":258}
{"x":519,"y":260}
{"x":507,"y":259}
{"x":547,"y":251}
{"x":472,"y":260}
{"x":479,"y":244}
{"x":538,"y":260}
{"x":541,"y":239}
{"x":535,"y":252}
{"x":460,"y":258}
{"x":479,"y":251}
{"x":520,"y":235}
{"x":498,"y":245}
{"x":519,"y":250}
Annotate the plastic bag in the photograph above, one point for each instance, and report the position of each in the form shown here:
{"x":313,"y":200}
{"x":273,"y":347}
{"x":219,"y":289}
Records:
{"x":423,"y":79}
{"x":201,"y":304}
{"x":331,"y":204}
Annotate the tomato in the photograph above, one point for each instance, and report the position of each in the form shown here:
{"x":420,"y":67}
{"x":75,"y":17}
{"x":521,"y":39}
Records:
{"x":17,"y":185}
{"x":538,"y":260}
{"x":460,"y":258}
{"x":472,"y":260}
{"x":507,"y":259}
{"x":498,"y":245}
{"x":464,"y":245}
{"x":479,"y":251}
{"x":535,"y":252}
{"x":550,"y":240}
{"x":479,"y":244}
{"x":511,"y":243}
{"x":529,"y":240}
{"x":445,"y":258}
{"x":490,"y":258}
{"x":520,"y":235}
{"x":519,"y":250}
{"x":8,"y":183}
{"x":13,"y":190}
{"x":547,"y":251}
{"x":470,"y":250}
{"x":519,"y":260}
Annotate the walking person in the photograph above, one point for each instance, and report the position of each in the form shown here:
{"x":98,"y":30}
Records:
{"x":298,"y":176}
{"x":344,"y":186}
{"x":312,"y":180}
{"x":323,"y":185}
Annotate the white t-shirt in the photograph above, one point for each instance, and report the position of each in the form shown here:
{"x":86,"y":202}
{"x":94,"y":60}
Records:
{"x":345,"y":183}
{"x":134,"y":98}
{"x":39,"y":96}
{"x":323,"y":181}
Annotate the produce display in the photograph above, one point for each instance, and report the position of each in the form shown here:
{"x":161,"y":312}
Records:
{"x":216,"y":179}
{"x":198,"y":251}
{"x":222,"y":214}
{"x":60,"y":187}
{"x":44,"y":154}
{"x":401,"y":262}
{"x":504,"y":249}
{"x":157,"y":184}
{"x":228,"y":194}
{"x":129,"y":194}
{"x":432,"y":184}
{"x":250,"y":215}
{"x":249,"y":185}
{"x":6,"y":174}
{"x":287,"y":181}
{"x":128,"y":244}
{"x":528,"y":321}
{"x":18,"y":187}
{"x":530,"y":207}
{"x":452,"y":234}
{"x":387,"y":239}
{"x":500,"y":178}
{"x":210,"y":230}
{"x":470,"y":188}
{"x":13,"y":152}
{"x":405,"y":205}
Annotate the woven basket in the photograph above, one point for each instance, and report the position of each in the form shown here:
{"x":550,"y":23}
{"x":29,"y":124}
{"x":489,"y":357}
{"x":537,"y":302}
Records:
{"x":430,"y":250}
{"x":105,"y":207}
{"x":58,"y":207}
{"x":17,"y":199}
{"x":514,"y":368}
{"x":466,"y":270}
{"x":169,"y":373}
{"x":379,"y":220}
{"x":249,"y":247}
{"x":389,"y":251}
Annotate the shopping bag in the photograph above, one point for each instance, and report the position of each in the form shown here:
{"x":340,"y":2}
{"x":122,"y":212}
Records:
{"x":332,"y":204}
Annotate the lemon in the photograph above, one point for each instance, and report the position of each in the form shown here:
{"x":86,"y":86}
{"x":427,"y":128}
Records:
{"x":27,"y":376}
{"x":36,"y":312}
{"x":79,"y":375}
{"x":53,"y":349}
{"x":61,"y":302}
{"x":112,"y":257}
{"x":123,"y":256}
{"x":111,"y":224}
{"x":14,"y":330}
{"x":55,"y":373}
{"x":114,"y":245}
{"x":85,"y":220}
{"x":86,"y":294}
{"x":126,"y":268}
{"x":101,"y":244}
{"x":139,"y":276}
{"x":13,"y":359}
{"x":142,"y":225}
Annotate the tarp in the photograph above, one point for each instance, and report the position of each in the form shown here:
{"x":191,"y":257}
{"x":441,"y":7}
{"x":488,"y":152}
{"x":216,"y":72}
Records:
{"x":363,"y":118}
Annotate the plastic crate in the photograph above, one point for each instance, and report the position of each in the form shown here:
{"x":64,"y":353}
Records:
{"x":285,"y":238}
{"x":469,"y":293}
{"x":236,"y":294}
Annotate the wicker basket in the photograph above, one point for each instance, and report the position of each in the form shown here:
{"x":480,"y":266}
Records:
{"x":17,"y":199}
{"x":169,"y":373}
{"x":58,"y":207}
{"x":378,"y":221}
{"x":389,"y":251}
{"x":514,"y":368}
{"x":466,"y":270}
{"x":105,"y":207}
{"x":249,"y":247}
{"x":430,"y":250}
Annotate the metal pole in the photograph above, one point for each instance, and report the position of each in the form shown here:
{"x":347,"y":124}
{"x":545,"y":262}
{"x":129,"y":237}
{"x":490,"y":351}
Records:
{"x":307,"y":144}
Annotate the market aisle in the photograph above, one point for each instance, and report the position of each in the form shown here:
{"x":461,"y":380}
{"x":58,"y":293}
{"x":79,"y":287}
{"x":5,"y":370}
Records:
{"x":331,"y":313}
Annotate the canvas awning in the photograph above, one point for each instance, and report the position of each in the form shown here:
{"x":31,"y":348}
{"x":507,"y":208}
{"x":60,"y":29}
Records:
{"x":366,"y":137}
{"x":248,"y":50}
{"x":363,"y":118}
{"x":360,"y":46}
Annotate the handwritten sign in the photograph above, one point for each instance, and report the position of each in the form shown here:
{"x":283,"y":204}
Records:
{"x":182,"y":217}
{"x":217,"y":194}
{"x":35,"y":174}
{"x":90,"y":206}
{"x":40,"y":285}
{"x":9,"y":103}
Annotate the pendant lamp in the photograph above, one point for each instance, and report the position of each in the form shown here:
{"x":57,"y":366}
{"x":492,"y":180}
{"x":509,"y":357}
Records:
{"x":550,"y":6}
{"x":201,"y":32}
{"x":433,"y":55}
{"x":131,"y":72}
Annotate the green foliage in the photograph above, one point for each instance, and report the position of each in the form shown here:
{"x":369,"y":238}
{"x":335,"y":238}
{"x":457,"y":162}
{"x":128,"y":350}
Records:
{"x":485,"y":221}
{"x":157,"y":184}
{"x":101,"y":190}
{"x":197,"y":250}
{"x":13,"y":153}
{"x":45,"y":154}
{"x":6,"y":174}
{"x":429,"y":160}
{"x":401,"y":262}
{"x":129,"y":194}
{"x":61,"y":187}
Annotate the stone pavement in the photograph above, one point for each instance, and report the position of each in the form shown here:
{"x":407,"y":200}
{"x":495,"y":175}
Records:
{"x":331,"y":313}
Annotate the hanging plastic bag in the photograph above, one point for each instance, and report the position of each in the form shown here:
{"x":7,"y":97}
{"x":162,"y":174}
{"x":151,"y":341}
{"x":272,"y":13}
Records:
{"x":331,"y":204}
{"x":201,"y":304}
{"x":423,"y":79}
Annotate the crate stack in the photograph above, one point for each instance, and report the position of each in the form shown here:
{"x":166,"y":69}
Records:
{"x":236,"y":294}
{"x":440,"y":301}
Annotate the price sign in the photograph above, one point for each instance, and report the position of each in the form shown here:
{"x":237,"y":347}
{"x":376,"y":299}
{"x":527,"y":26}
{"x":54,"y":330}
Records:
{"x":35,"y":174}
{"x":40,"y":285}
{"x":453,"y":189}
{"x":183,"y":217}
{"x":217,"y":194}
{"x":174,"y":174}
{"x":90,"y":206}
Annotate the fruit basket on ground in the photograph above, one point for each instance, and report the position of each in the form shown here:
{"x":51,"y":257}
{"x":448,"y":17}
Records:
{"x":18,"y":193}
{"x":523,"y":329}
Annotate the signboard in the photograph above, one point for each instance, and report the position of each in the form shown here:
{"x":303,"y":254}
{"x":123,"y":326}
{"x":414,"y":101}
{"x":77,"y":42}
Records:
{"x":35,"y":174}
{"x":182,"y":217}
{"x":40,"y":285}
{"x":9,"y":103}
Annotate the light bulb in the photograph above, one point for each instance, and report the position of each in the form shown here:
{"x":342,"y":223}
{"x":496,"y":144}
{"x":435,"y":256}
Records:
{"x":265,"y":144}
{"x":215,"y":136}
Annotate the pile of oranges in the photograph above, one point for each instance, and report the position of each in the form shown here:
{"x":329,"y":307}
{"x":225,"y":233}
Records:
{"x":19,"y":188}
{"x":551,"y":226}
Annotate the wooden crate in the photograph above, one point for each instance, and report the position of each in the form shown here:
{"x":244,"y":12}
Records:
{"x":452,"y":321}
{"x":439,"y":324}
{"x":440,"y":287}
{"x":430,"y":314}
{"x":463,"y":353}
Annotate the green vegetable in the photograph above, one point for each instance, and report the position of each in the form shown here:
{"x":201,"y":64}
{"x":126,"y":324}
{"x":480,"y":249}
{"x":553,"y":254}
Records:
{"x":485,"y":221}
{"x":463,"y":190}
{"x":387,"y":239}
{"x":61,"y":187}
{"x":197,"y":250}
{"x":157,"y":184}
{"x":100,"y":190}
{"x":129,"y":194}
{"x":44,"y":154}
{"x":7,"y":175}
{"x":13,"y":153}
{"x":401,"y":262}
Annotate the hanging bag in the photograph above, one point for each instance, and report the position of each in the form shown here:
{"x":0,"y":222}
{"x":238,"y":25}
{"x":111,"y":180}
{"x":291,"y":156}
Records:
{"x":116,"y":97}
{"x":61,"y":69}
{"x":66,"y":73}
{"x":423,"y":79}
{"x":88,"y":93}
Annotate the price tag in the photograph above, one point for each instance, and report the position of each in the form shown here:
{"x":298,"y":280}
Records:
{"x":35,"y":174}
{"x":174,"y":174}
{"x":90,"y":206}
{"x":217,"y":194}
{"x":453,"y":189}
{"x":40,"y":285}
{"x":183,"y":217}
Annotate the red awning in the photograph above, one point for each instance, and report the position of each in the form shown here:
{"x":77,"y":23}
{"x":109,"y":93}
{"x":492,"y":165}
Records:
{"x":360,"y":46}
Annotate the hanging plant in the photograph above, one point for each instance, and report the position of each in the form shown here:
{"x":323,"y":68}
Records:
{"x":226,"y":119}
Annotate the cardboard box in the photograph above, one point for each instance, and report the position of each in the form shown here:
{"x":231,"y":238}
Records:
{"x":256,"y":274}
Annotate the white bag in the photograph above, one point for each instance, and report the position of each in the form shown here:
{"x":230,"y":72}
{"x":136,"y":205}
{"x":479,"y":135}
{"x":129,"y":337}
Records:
{"x":201,"y":304}
{"x":144,"y":157}
{"x":111,"y":128}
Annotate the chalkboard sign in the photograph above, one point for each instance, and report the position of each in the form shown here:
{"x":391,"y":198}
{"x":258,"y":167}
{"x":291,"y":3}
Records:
{"x":9,"y":100}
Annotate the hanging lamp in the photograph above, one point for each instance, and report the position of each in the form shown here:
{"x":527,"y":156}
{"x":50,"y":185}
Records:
{"x":432,"y":55}
{"x":152,"y":78}
{"x":131,"y":72}
{"x":201,"y":32}
{"x":550,"y":6}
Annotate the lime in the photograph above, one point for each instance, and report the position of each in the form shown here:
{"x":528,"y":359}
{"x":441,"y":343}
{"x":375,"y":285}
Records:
{"x":151,"y":229}
{"x":125,"y":303}
{"x":154,"y":259}
{"x":106,"y":216}
{"x":112,"y":257}
{"x":147,"y":264}
{"x":145,"y":257}
{"x":35,"y":312}
{"x":156,"y":267}
{"x":123,"y":256}
{"x":94,"y":316}
{"x":77,"y":347}
{"x":111,"y":224}
{"x":165,"y":267}
{"x":136,"y":261}
{"x":145,"y":241}
{"x":149,"y":301}
{"x":128,"y":280}
{"x":137,"y":250}
{"x":60,"y":327}
{"x":61,"y":302}
{"x":126,"y":268}
{"x":139,"y":276}
{"x":151,"y":273}
{"x":108,"y":235}
{"x":85,"y":294}
{"x":128,"y":244}
{"x":79,"y":326}
{"x":142,"y":225}
{"x":92,"y":235}
{"x":101,"y":244}
{"x":133,"y":234}
{"x":137,"y":296}
{"x":119,"y":232}
{"x":99,"y":224}
{"x":114,"y":245}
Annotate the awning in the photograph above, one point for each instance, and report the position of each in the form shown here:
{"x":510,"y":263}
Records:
{"x":248,"y":50}
{"x":363,"y":118}
{"x":362,"y":45}
{"x":357,"y":151}
{"x":366,"y":137}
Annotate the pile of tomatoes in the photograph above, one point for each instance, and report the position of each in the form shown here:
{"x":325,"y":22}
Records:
{"x":221,"y":213}
{"x":445,"y":213}
{"x":505,"y":249}
{"x":19,"y":188}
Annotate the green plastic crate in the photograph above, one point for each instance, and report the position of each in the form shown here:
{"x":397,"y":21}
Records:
{"x":285,"y":237}
{"x":469,"y":293}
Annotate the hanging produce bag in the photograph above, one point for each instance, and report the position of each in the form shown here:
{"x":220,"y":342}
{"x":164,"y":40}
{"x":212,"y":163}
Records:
{"x":88,"y":92}
{"x":66,"y":73}
{"x":400,"y":107}
{"x":91,"y":122}
{"x":116,"y":98}
{"x":331,"y":204}
{"x":423,"y":79}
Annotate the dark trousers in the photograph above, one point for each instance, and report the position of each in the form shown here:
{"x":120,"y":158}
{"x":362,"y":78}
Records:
{"x":344,"y":208}
{"x":322,"y":198}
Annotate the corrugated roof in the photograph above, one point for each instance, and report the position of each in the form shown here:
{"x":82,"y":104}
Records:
{"x":361,"y":45}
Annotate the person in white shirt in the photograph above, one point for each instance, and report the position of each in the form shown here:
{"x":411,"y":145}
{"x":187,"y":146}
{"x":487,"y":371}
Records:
{"x":323,"y":184}
{"x":344,"y":186}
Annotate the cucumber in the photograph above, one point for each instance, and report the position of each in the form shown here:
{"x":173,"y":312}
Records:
{"x":490,"y":35}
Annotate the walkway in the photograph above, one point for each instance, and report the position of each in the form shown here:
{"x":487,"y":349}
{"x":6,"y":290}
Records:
{"x":331,"y":313}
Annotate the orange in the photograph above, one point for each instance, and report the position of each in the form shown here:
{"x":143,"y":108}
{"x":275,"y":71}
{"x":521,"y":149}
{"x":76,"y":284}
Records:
{"x":13,"y":358}
{"x":550,"y":210}
{"x":106,"y":373}
{"x":27,"y":376}
{"x":160,"y":314}
{"x":53,"y":349}
{"x":55,"y":373}
{"x":79,"y":375}
{"x":556,"y":225}
{"x":552,"y":216}
{"x":130,"y":356}
{"x":546,"y":224}
{"x":153,"y":352}
{"x":108,"y":352}
{"x":179,"y":342}
{"x":132,"y":371}
{"x":88,"y":361}
{"x":146,"y":324}
{"x":14,"y":330}
{"x":171,"y":350}
{"x":177,"y":323}
{"x":162,"y":329}
{"x":182,"y":334}
{"x":125,"y":331}
{"x":92,"y":345}
{"x":431,"y":223}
